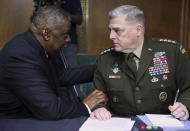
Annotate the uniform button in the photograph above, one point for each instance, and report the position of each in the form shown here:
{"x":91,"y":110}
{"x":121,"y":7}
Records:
{"x":139,"y":101}
{"x":115,"y":99}
{"x":137,"y":88}
{"x":162,"y":85}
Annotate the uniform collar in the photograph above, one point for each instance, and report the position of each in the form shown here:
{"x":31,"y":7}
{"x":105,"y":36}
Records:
{"x":138,"y":51}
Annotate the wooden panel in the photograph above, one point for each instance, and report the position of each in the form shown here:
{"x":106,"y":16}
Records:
{"x":185,"y":26}
{"x":98,"y":33}
{"x":162,"y":20}
{"x":14,"y":18}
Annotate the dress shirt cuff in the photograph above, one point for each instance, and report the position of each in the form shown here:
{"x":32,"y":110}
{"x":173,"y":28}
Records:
{"x":88,"y":109}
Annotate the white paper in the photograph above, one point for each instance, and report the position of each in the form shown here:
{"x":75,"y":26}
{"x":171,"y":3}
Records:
{"x":164,"y":120}
{"x":113,"y":124}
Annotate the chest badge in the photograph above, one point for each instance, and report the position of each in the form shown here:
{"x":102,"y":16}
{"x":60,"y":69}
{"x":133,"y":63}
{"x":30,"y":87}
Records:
{"x":154,"y":79}
{"x":165,"y":77}
{"x":115,"y":69}
{"x":163,"y":96}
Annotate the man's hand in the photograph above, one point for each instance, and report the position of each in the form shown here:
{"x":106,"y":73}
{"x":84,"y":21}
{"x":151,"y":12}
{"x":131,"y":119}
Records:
{"x":95,"y":98}
{"x":179,"y":111}
{"x":100,"y":114}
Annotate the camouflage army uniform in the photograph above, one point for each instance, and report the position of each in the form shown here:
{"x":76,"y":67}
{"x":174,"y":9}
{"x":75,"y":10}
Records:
{"x":164,"y":67}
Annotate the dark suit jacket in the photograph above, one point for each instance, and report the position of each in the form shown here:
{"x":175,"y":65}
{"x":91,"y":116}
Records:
{"x":164,"y":67}
{"x":35,"y":84}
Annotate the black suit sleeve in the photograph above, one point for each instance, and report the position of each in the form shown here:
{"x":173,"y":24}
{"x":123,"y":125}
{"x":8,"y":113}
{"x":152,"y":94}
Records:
{"x":71,"y":76}
{"x":79,"y":75}
{"x":27,"y":78}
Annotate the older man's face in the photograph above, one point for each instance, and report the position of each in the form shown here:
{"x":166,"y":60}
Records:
{"x":123,"y":35}
{"x":59,"y":37}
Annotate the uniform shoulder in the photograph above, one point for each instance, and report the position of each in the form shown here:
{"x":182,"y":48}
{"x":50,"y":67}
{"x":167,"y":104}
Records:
{"x":109,"y":50}
{"x":169,"y":42}
{"x":164,"y":40}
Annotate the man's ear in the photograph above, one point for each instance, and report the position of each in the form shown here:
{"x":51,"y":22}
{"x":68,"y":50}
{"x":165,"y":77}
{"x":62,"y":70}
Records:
{"x":139,"y":29}
{"x":45,"y":34}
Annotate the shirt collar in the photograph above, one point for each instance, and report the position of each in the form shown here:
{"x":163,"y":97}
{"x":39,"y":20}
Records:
{"x":138,"y":51}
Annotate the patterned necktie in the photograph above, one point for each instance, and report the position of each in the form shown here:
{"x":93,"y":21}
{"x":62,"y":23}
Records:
{"x":131,"y":63}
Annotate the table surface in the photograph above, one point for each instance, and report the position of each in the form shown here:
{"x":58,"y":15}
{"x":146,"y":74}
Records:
{"x":185,"y":128}
{"x":41,"y":125}
{"x":68,"y":124}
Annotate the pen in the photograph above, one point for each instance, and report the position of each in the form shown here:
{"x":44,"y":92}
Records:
{"x":176,"y":96}
{"x":175,"y":100}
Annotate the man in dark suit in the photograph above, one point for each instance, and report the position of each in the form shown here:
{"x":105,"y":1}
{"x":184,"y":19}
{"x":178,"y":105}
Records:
{"x":140,"y":74}
{"x":33,"y":82}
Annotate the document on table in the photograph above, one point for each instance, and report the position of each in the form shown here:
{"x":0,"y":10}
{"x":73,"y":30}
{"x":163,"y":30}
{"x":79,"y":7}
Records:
{"x":113,"y":124}
{"x":164,"y":120}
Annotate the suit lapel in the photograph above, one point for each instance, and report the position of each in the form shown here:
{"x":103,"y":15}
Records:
{"x":146,"y":59}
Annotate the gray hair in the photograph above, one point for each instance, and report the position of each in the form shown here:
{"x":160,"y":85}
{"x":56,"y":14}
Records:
{"x":49,"y":17}
{"x":133,"y":14}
